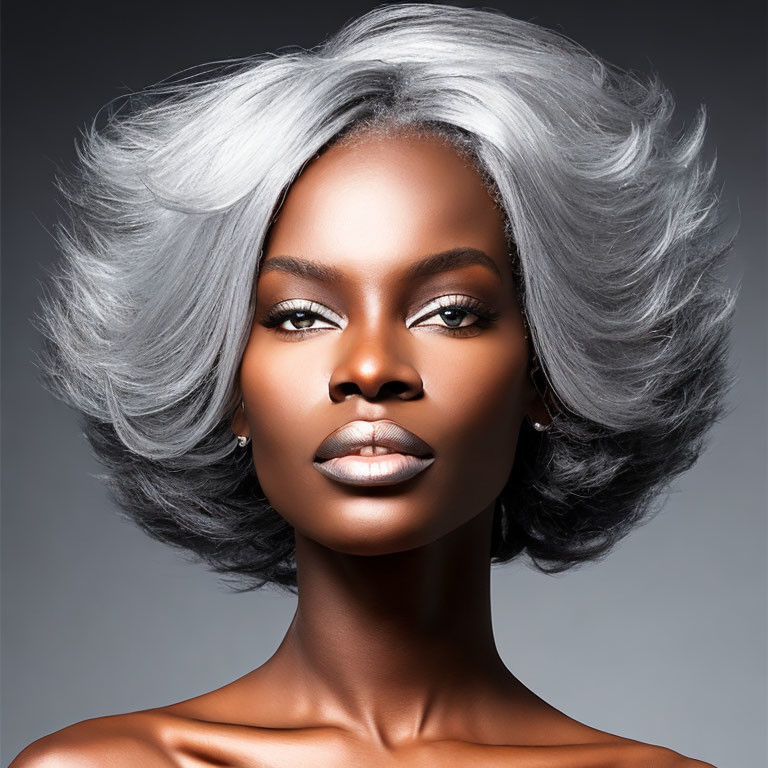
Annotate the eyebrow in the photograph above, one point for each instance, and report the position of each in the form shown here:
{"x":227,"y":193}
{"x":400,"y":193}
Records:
{"x":455,"y":258}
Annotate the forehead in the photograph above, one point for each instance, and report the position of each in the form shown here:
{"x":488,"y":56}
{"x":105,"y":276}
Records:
{"x":382,"y":202}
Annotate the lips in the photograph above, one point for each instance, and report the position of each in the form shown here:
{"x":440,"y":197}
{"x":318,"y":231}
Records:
{"x":338,"y":456}
{"x":357,"y":434}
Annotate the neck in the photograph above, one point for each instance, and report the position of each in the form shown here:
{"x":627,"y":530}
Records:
{"x":389,"y":642}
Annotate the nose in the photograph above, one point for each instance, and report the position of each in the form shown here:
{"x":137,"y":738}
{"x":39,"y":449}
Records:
{"x":372,"y":366}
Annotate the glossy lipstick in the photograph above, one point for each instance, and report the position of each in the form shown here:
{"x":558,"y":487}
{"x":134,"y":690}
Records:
{"x":372,"y":453}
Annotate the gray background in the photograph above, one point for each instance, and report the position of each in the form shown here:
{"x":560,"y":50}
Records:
{"x":665,"y":641}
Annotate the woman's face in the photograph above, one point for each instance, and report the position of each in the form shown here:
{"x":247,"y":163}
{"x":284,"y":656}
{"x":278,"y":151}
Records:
{"x":358,"y":318}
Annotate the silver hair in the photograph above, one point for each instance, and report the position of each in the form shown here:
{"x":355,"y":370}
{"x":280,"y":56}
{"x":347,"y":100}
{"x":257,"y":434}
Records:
{"x":612,"y":219}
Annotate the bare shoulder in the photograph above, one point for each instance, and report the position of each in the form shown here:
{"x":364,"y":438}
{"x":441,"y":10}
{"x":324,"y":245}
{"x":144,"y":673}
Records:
{"x":640,"y":755}
{"x":162,"y":739}
{"x":628,"y":753}
{"x":611,"y":754}
{"x":600,"y":748}
{"x":118,"y":741}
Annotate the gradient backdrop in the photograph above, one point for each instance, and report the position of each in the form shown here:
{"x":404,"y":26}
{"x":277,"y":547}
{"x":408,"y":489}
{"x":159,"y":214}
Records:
{"x":665,"y":641}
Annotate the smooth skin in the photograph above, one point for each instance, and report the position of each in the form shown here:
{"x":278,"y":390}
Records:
{"x":390,"y":659}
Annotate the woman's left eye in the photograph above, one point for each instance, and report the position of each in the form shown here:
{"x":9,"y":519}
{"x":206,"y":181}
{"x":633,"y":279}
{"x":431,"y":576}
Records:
{"x":457,"y":312}
{"x":453,"y":317}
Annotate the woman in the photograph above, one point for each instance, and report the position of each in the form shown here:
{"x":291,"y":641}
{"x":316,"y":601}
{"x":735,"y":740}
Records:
{"x":362,"y":321}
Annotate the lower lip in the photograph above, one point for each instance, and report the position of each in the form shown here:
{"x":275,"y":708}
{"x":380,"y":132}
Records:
{"x":385,"y":469}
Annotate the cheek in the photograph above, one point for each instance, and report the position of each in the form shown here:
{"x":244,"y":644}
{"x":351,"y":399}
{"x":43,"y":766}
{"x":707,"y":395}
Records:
{"x":278,"y":397}
{"x":482,"y":398}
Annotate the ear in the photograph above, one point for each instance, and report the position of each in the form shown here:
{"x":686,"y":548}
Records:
{"x":239,"y":423}
{"x":537,"y":410}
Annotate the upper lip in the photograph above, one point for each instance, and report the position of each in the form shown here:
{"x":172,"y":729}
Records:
{"x":354,"y":435}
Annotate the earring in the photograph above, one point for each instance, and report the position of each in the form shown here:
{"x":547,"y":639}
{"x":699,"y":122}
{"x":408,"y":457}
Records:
{"x":539,"y":427}
{"x":242,"y":440}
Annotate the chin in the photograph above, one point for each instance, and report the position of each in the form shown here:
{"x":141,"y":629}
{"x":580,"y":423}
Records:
{"x":375,"y":527}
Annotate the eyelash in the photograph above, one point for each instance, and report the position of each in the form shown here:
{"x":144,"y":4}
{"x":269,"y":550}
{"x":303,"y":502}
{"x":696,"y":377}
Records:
{"x":286,"y":310}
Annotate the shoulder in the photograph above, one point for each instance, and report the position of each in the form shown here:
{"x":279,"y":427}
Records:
{"x":634,"y":754}
{"x":117,"y":741}
{"x":601,"y":747}
{"x":574,"y":741}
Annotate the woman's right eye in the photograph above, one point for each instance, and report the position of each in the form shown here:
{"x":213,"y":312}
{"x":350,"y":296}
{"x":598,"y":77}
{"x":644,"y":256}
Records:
{"x":298,"y":317}
{"x":298,"y":320}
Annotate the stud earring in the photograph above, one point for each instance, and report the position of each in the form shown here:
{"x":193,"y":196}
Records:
{"x":538,"y":426}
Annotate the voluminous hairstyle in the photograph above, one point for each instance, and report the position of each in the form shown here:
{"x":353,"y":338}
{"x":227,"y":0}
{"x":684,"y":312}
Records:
{"x":614,"y":232}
